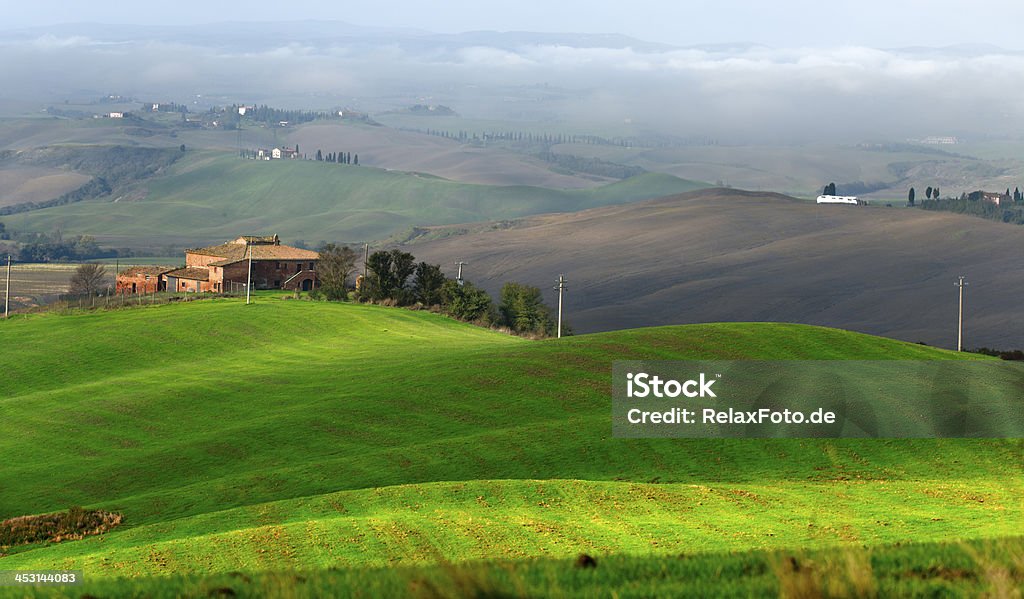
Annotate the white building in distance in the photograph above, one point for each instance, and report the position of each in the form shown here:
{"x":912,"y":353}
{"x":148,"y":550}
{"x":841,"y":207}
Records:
{"x":823,"y":199}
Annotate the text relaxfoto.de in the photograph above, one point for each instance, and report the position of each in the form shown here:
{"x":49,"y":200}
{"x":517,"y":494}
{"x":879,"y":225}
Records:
{"x":642,"y":385}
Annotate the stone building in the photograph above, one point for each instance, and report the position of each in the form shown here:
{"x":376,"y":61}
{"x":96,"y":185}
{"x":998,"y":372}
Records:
{"x":142,"y":279}
{"x":225,"y":268}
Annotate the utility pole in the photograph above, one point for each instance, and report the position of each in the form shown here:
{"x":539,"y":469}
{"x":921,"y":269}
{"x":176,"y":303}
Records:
{"x":7,"y":293}
{"x":248,"y":281}
{"x":561,"y":290}
{"x":960,"y":327}
{"x":458,"y":277}
{"x":366,"y":258}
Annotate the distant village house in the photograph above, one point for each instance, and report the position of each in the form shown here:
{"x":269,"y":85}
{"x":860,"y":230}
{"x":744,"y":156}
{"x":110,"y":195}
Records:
{"x":279,"y":153}
{"x":996,"y":198}
{"x":999,"y":199}
{"x":225,"y":268}
{"x":275,"y":153}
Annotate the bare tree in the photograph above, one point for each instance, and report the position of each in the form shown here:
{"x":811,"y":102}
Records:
{"x":336,"y":265}
{"x":88,"y":279}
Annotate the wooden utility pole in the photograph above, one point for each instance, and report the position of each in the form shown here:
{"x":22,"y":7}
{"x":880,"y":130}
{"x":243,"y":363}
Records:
{"x":960,"y":321}
{"x":561,"y":290}
{"x":366,"y":258}
{"x":7,"y":293}
{"x":248,"y":281}
{"x":458,"y":277}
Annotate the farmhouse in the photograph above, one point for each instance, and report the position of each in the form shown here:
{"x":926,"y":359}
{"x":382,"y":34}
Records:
{"x":833,"y":199}
{"x":279,"y":153}
{"x":225,"y":267}
{"x":142,"y":279}
{"x":999,"y":199}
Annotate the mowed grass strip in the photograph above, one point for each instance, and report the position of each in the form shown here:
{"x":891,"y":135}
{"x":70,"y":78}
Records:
{"x":513,"y":519}
{"x":983,"y":568}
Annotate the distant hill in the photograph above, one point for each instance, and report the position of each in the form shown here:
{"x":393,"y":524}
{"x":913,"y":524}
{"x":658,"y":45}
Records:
{"x":880,"y":172}
{"x":407,"y":151}
{"x":729,"y":255}
{"x":206,"y":197}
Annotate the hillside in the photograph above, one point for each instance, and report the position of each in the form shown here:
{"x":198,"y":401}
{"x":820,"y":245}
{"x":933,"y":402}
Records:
{"x":881,"y":172}
{"x":385,"y":147}
{"x":208,"y":197}
{"x":729,"y":255}
{"x":296,"y":435}
{"x":36,"y":184}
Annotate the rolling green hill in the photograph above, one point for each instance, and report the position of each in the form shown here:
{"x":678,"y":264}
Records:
{"x":302,"y":436}
{"x":210,"y":197}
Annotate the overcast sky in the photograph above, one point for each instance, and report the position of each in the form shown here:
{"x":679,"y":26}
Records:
{"x":786,"y":23}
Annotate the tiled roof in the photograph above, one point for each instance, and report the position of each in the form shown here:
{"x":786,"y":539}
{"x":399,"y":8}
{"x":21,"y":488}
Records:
{"x":145,"y":270}
{"x":233,"y":252}
{"x":192,"y":273}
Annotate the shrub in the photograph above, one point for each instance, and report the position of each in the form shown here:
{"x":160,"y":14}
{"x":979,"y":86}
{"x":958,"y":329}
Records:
{"x":74,"y":524}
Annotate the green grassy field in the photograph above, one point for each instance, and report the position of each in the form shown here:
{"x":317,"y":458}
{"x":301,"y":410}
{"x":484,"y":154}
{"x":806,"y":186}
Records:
{"x":294,"y":436}
{"x":968,"y":569}
{"x":208,"y":197}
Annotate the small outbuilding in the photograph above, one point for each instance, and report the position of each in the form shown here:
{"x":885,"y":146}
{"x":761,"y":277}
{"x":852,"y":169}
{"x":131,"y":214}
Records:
{"x":142,"y":279}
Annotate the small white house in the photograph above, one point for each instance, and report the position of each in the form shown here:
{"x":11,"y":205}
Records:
{"x":117,"y":115}
{"x":823,"y":199}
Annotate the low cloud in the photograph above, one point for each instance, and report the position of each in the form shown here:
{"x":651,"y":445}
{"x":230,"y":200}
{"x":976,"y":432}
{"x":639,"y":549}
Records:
{"x":749,"y":93}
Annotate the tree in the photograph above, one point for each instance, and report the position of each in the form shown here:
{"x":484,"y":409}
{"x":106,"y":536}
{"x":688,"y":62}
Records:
{"x":522,"y":309}
{"x":319,"y":155}
{"x":356,"y":160}
{"x":928,"y":192}
{"x":88,"y":279}
{"x":1016,"y":198}
{"x":830,"y":189}
{"x":182,"y":148}
{"x":3,"y":232}
{"x":935,"y":192}
{"x":427,"y":285}
{"x":466,"y":302}
{"x":910,"y":197}
{"x":388,"y":273}
{"x":336,"y":265}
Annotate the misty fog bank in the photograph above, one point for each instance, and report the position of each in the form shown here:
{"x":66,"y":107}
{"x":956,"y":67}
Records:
{"x":735,"y":93}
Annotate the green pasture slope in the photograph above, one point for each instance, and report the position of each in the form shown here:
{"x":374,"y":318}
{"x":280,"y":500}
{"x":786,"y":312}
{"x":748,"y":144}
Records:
{"x":302,"y":446}
{"x":210,"y":196}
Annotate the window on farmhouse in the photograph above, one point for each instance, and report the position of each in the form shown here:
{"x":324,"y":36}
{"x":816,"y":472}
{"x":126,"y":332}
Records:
{"x":277,"y":283}
{"x":298,"y":266}
{"x":312,"y":266}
